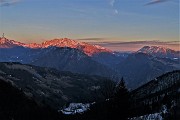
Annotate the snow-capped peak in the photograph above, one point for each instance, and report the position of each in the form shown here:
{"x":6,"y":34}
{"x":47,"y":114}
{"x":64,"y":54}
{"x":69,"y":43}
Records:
{"x":61,"y":42}
{"x":6,"y":43}
{"x":159,"y":51}
{"x":155,"y":49}
{"x":3,"y":40}
{"x":65,"y":42}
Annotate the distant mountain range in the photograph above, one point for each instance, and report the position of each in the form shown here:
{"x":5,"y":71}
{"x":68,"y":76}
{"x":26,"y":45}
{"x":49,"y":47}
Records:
{"x":88,"y":49}
{"x":80,"y":57}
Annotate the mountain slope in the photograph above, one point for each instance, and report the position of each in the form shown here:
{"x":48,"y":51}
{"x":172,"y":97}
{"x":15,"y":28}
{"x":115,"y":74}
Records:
{"x":110,"y":59}
{"x":160,"y":95}
{"x":14,"y":105}
{"x":158,"y":51}
{"x":88,"y":49}
{"x":79,"y":57}
{"x":139,"y":68}
{"x":50,"y":86}
{"x":63,"y":59}
{"x":165,"y":81}
{"x":68,"y":59}
{"x":5,"y":43}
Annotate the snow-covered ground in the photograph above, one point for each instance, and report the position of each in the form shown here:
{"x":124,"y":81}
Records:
{"x":75,"y":108}
{"x":155,"y":116}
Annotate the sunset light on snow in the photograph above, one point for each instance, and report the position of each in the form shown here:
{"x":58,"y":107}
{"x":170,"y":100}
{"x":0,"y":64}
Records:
{"x":122,"y":25}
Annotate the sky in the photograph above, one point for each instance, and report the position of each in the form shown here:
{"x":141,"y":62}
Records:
{"x":121,"y":25}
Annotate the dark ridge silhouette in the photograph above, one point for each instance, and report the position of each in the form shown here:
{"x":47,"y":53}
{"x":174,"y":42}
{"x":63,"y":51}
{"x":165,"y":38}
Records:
{"x":14,"y":105}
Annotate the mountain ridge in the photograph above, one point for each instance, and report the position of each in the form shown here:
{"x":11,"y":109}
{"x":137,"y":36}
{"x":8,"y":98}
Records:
{"x":87,"y":48}
{"x":159,"y":51}
{"x":69,"y":55}
{"x":140,"y":67}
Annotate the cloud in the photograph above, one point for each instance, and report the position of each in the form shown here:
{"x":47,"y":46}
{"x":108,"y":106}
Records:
{"x":8,"y":2}
{"x":91,"y":39}
{"x":152,"y":42}
{"x":156,"y":2}
{"x":116,"y":11}
{"x":136,"y":45}
{"x":112,"y":2}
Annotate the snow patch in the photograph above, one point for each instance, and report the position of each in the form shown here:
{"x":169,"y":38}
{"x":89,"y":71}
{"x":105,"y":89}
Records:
{"x":155,"y":116}
{"x":75,"y":108}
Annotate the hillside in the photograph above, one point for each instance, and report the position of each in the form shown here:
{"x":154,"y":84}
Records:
{"x":139,"y":68}
{"x":163,"y":91}
{"x":155,"y":100}
{"x":69,"y":59}
{"x":50,"y":86}
{"x":15,"y":105}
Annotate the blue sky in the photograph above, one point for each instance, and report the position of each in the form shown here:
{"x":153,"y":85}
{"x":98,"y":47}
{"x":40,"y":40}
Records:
{"x":95,"y":21}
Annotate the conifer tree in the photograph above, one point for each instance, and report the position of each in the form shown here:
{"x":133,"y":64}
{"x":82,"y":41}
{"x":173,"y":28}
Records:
{"x":121,"y":101}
